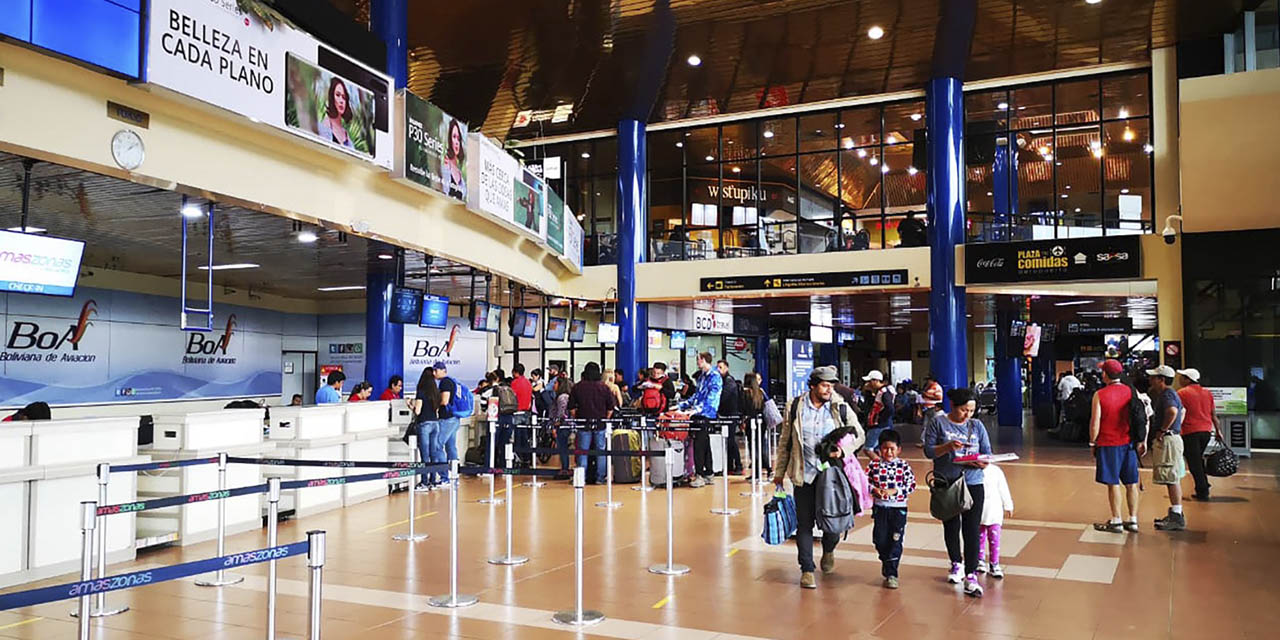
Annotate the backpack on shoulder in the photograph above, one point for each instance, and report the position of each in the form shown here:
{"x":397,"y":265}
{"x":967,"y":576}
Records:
{"x":462,"y":404}
{"x":837,"y":502}
{"x":507,"y":402}
{"x":1137,"y":418}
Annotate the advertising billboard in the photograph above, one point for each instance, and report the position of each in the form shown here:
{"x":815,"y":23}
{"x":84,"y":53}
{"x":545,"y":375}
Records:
{"x":432,"y":152}
{"x":39,"y":264}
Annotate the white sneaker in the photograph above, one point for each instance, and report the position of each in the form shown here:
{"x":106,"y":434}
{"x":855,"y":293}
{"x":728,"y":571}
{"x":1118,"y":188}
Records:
{"x":971,"y":586}
{"x":697,"y":482}
{"x":997,"y":571}
{"x":955,"y":576}
{"x":422,"y":487}
{"x":982,"y":567}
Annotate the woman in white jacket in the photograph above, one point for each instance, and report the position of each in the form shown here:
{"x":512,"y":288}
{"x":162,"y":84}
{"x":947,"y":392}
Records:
{"x":998,"y":501}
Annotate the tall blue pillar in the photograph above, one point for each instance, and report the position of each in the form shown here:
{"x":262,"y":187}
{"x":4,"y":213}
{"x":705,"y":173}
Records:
{"x":633,"y":317}
{"x":390,"y":20}
{"x":383,"y":340}
{"x":762,"y":361}
{"x":1008,"y":368}
{"x":948,"y":335}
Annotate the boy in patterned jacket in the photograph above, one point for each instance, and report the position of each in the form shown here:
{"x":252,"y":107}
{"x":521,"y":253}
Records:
{"x":891,"y":481}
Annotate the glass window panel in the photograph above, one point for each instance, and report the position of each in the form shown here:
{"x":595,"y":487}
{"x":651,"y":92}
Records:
{"x":665,"y":149}
{"x":816,"y":236}
{"x":1125,"y":96}
{"x":779,"y":204}
{"x":1127,"y":174}
{"x":777,"y":237}
{"x":606,"y":189}
{"x":778,"y":137}
{"x":818,"y":186}
{"x":859,"y":127}
{"x":818,"y":132}
{"x":579,"y":162}
{"x":986,"y":112}
{"x":738,"y":141}
{"x":860,"y":192}
{"x":702,"y":145}
{"x":869,"y":233}
{"x":1031,"y":107}
{"x":980,"y":185}
{"x":667,"y":207}
{"x":604,"y":156}
{"x":1079,"y":195}
{"x":739,"y":209}
{"x":1076,"y":102}
{"x":904,"y":182}
{"x":904,"y":122}
{"x":1033,"y":189}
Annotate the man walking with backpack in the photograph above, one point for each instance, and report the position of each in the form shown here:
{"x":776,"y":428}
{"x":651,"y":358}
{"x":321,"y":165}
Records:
{"x":1115,"y":450}
{"x":809,"y":418}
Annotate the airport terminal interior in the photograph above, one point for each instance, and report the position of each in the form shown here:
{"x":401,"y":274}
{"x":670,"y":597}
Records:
{"x":639,"y":319}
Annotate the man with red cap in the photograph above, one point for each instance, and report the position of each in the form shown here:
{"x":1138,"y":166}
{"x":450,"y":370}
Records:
{"x":1115,"y":455}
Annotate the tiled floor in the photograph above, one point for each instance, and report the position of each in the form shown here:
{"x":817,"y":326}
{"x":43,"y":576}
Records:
{"x":1065,"y":581}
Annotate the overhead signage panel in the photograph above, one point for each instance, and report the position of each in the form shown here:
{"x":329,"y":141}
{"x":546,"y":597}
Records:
{"x":432,"y":151}
{"x":1101,"y":258}
{"x":1098,"y":327}
{"x":833,"y":279}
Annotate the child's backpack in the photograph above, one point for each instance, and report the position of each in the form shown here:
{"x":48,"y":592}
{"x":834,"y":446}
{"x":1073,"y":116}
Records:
{"x":651,"y":398}
{"x":461,"y":403}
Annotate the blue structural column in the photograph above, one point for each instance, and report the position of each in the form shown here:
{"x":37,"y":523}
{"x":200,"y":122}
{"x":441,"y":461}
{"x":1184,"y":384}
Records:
{"x":1008,"y":366}
{"x":948,"y":335}
{"x":633,"y":317}
{"x":390,"y":20}
{"x":383,"y":340}
{"x":762,"y":361}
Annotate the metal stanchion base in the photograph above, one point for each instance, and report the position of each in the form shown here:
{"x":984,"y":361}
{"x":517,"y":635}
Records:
{"x":669,"y":569}
{"x":608,"y":505}
{"x":571,"y":618}
{"x":753,"y":493}
{"x":534,"y":484}
{"x":101,"y":613}
{"x":490,"y":501}
{"x":404,"y":537}
{"x":508,"y":561}
{"x":453,"y":602}
{"x":227,"y":580}
{"x":726,"y":512}
{"x":645,"y":489}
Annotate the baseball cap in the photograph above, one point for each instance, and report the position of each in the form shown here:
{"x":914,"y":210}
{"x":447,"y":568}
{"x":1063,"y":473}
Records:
{"x":874,"y":375}
{"x":1193,"y":374}
{"x":1163,"y":370}
{"x":823,"y":374}
{"x":1112,"y":368}
{"x":440,"y":366}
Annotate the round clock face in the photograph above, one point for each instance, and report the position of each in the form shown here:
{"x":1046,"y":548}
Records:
{"x":127,"y":149}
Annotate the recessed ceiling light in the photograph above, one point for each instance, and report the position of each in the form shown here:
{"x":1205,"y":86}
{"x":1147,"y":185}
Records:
{"x":1064,"y":196}
{"x":737,"y":169}
{"x":1077,"y":209}
{"x":876,"y":32}
{"x":916,"y":116}
{"x":874,"y":161}
{"x":728,"y":142}
{"x":307,"y":237}
{"x":1068,"y":187}
{"x":385,"y":256}
{"x":1125,"y":190}
{"x":862,"y":153}
{"x":912,"y":171}
{"x":767,"y":133}
{"x":694,"y":60}
{"x":984,"y":326}
{"x":839,"y":125}
{"x":884,"y":169}
{"x":585,"y":155}
{"x":1003,"y":106}
{"x":192,"y":210}
{"x":710,"y":158}
{"x":1148,"y":148}
{"x":1072,"y":303}
{"x":1093,"y":1}
{"x":990,"y":193}
{"x":229,"y":267}
{"x":27,"y":229}
{"x":848,"y":144}
{"x":679,"y":145}
{"x":344,"y":288}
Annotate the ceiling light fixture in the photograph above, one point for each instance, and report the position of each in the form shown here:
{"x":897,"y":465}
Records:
{"x":344,"y":288}
{"x":1093,"y":1}
{"x":884,"y":168}
{"x":1003,"y":106}
{"x":862,"y":153}
{"x":1125,"y":190}
{"x":191,"y":209}
{"x":876,"y":32}
{"x":585,"y":155}
{"x":874,"y":161}
{"x":736,"y":169}
{"x":307,"y":237}
{"x":679,"y":145}
{"x":27,"y":229}
{"x":694,"y":60}
{"x":984,"y":326}
{"x":385,"y":256}
{"x":1123,"y":113}
{"x":1128,"y":135}
{"x":767,"y":133}
{"x":1148,"y":148}
{"x":915,"y":117}
{"x":911,"y":171}
{"x":710,"y":158}
{"x":788,"y":313}
{"x":839,"y":125}
{"x":1072,"y":303}
{"x":230,"y":267}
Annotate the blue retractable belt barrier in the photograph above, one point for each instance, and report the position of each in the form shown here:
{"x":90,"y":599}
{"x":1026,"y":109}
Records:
{"x":478,"y":471}
{"x":381,"y":475}
{"x":149,"y":576}
{"x":596,"y":452}
{"x":169,"y":464}
{"x":342,"y":464}
{"x":173,"y":501}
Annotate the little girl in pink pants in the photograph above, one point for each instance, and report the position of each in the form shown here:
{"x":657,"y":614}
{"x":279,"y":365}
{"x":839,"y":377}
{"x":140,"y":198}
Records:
{"x":998,"y":501}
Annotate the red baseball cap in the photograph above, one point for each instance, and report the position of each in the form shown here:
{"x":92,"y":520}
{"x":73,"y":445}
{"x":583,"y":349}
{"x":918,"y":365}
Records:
{"x":1112,"y":368}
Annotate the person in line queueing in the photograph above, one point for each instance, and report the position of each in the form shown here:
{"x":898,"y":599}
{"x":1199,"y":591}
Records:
{"x":331,"y":391}
{"x":560,"y":411}
{"x":1198,"y":423}
{"x":892,"y":481}
{"x":1116,"y":457}
{"x":589,"y":400}
{"x":997,"y":501}
{"x":753,"y":409}
{"x":808,"y":419}
{"x":520,"y":422}
{"x":658,"y":376}
{"x":946,"y":437}
{"x":426,"y":409}
{"x":446,"y":445}
{"x":395,"y":387}
{"x":731,"y":407}
{"x":1164,"y":439}
{"x":704,"y":405}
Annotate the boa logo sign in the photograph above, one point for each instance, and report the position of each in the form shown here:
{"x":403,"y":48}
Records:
{"x":461,"y":350}
{"x":29,"y":341}
{"x":199,"y":346}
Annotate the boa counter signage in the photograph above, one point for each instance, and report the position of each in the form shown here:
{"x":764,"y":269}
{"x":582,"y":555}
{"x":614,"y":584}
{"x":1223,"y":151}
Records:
{"x":464,"y":352}
{"x":111,"y":346}
{"x":209,"y":50}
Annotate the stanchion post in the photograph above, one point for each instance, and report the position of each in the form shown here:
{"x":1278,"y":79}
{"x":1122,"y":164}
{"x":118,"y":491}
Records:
{"x":273,"y":517}
{"x":88,"y":516}
{"x":724,"y":510}
{"x":646,"y":467}
{"x":753,"y":447}
{"x":577,"y":616}
{"x":100,"y":547}
{"x":220,"y":578}
{"x":508,"y":559}
{"x":453,"y":600}
{"x":413,"y":535}
{"x":533,"y":482}
{"x":492,"y":499}
{"x":670,"y":568}
{"x":315,"y":567}
{"x":608,"y":502}
{"x":415,"y":455}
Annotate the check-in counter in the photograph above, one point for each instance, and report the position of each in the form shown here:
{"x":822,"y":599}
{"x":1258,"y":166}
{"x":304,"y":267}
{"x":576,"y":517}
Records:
{"x":62,"y":472}
{"x":370,"y":425}
{"x":15,"y":480}
{"x":205,"y":434}
{"x":309,"y":433}
{"x":398,"y":449}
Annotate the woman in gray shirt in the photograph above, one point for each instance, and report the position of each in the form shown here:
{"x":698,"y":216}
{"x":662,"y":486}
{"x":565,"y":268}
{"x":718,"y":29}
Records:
{"x":946,"y":437}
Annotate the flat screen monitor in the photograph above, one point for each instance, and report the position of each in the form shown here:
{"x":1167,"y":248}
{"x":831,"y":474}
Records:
{"x":479,"y":315}
{"x":607,"y":332}
{"x":406,"y":305}
{"x":577,"y":331}
{"x":43,"y":265}
{"x":820,"y":334}
{"x":530,"y":325}
{"x":517,"y":323}
{"x":435,"y":312}
{"x":494,"y":322}
{"x":557,"y":328}
{"x":678,"y":340}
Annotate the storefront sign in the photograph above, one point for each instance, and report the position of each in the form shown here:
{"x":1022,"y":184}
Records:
{"x":433,"y":150}
{"x":209,"y":50}
{"x":529,"y":117}
{"x":1103,"y":258}
{"x":1100,"y":327}
{"x":840,"y":279}
{"x":705,"y":321}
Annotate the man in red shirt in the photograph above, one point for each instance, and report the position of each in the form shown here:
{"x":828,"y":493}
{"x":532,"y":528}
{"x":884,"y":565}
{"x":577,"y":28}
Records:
{"x":1200,"y":421}
{"x":1116,"y":457}
{"x":524,"y":403}
{"x":394,"y":387}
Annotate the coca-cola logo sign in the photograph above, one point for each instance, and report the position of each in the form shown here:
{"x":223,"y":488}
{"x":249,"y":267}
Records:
{"x":990,"y":263}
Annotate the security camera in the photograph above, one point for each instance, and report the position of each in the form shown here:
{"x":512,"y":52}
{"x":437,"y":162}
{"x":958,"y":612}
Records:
{"x":1170,"y":234}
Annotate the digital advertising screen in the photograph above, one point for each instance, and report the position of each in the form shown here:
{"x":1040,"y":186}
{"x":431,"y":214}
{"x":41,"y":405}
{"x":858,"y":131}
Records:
{"x":406,"y":305}
{"x":435,"y":312}
{"x":577,"y":331}
{"x":607,"y":333}
{"x":557,"y":328}
{"x":39,"y":264}
{"x":678,"y":340}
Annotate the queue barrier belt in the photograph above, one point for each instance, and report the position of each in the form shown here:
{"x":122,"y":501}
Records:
{"x":342,"y":464}
{"x":596,"y":452}
{"x":82,"y":588}
{"x":381,"y":475}
{"x":168,"y":464}
{"x":497,"y":471}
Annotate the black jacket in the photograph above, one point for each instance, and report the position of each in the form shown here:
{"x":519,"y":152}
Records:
{"x":730,"y":398}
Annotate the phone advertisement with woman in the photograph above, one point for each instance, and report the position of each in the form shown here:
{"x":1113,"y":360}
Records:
{"x":329,"y":107}
{"x":435,"y":154}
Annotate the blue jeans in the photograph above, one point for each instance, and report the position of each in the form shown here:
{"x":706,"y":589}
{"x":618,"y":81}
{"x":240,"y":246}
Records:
{"x":427,"y":440}
{"x":586,"y":440}
{"x":562,"y":443}
{"x":447,"y":440}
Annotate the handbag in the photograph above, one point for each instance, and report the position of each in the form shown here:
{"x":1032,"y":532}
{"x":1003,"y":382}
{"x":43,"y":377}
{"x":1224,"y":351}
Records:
{"x":779,"y":519}
{"x":948,"y":498}
{"x":1222,"y":463}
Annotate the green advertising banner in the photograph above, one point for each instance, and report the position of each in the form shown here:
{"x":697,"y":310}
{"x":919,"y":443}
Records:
{"x":435,"y":148}
{"x":527,"y":209}
{"x":555,"y":222}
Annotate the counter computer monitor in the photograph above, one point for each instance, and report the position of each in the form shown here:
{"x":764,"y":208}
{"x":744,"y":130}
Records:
{"x":479,"y":315}
{"x":39,"y":264}
{"x":557,"y":328}
{"x":406,"y":305}
{"x":607,"y":333}
{"x":678,"y":340}
{"x":578,"y":331}
{"x":435,"y":312}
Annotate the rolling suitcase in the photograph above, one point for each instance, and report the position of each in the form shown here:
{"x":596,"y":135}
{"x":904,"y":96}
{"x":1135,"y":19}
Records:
{"x":658,"y":465}
{"x":626,"y":470}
